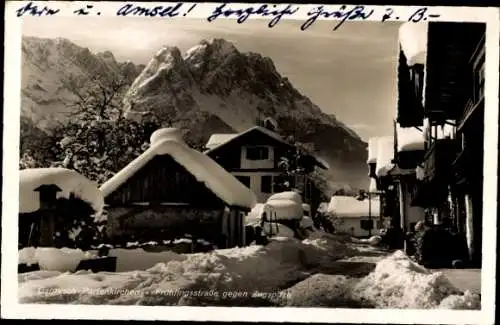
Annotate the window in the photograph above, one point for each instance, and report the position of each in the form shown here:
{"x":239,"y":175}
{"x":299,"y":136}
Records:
{"x":366,"y":224}
{"x":245,"y":180}
{"x":257,"y":153}
{"x":266,"y":184}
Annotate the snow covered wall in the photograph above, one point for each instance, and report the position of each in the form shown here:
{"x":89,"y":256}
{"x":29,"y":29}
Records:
{"x":385,"y":155}
{"x":413,"y":40}
{"x":372,"y":150}
{"x":69,"y":181}
{"x":409,"y":139}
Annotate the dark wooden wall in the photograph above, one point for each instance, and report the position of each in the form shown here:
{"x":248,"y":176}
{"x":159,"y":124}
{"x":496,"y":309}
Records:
{"x":164,"y":180}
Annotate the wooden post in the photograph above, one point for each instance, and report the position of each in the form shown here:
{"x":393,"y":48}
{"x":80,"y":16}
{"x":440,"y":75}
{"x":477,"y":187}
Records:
{"x":48,"y":198}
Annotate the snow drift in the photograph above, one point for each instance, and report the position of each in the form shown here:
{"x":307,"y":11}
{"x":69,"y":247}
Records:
{"x":398,"y":282}
{"x":254,"y":268}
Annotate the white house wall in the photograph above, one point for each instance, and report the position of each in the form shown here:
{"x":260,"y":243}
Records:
{"x":409,"y":214}
{"x":352,"y":226}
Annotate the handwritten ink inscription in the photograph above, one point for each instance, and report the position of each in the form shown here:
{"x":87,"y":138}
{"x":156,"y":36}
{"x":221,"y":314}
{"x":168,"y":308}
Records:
{"x":242,"y":15}
{"x":157,"y":11}
{"x":344,"y":14}
{"x":275,"y":13}
{"x":33,"y":10}
{"x":421,"y":14}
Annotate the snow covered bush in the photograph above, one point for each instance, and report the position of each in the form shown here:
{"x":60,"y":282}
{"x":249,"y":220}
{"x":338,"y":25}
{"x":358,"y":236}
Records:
{"x":331,"y":249}
{"x":398,"y":282}
{"x":75,"y":224}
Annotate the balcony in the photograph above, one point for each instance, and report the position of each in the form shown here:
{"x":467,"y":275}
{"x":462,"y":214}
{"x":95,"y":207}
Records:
{"x":433,"y":189}
{"x":450,"y":46}
{"x":437,"y":161}
{"x":461,"y":168}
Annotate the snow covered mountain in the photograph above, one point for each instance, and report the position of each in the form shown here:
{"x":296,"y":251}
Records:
{"x":212,"y":88}
{"x":216,"y":78}
{"x":46,"y":63}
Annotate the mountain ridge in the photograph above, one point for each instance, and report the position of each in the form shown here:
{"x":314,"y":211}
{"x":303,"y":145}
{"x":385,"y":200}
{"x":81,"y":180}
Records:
{"x":211,"y":88}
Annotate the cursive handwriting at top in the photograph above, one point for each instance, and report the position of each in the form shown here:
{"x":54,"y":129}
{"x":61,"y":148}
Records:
{"x":344,"y":13}
{"x":275,"y":12}
{"x":33,"y":10}
{"x":243,"y":14}
{"x":131,"y":9}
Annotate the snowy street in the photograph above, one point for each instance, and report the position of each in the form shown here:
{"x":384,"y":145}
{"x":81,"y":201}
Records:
{"x":322,"y":271}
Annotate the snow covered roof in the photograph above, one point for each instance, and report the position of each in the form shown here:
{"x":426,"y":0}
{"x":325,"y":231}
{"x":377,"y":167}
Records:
{"x":413,"y":40}
{"x":288,"y":195}
{"x":372,"y":150}
{"x":348,"y":206}
{"x":409,"y":139}
{"x":385,"y":155}
{"x":168,"y":141}
{"x":69,"y":181}
{"x":269,"y":133}
{"x":218,"y":139}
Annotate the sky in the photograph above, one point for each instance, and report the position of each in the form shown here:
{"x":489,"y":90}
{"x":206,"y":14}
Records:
{"x":350,"y":72}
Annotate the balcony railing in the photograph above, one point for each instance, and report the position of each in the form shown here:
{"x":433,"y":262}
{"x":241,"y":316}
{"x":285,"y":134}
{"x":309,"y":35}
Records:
{"x":437,"y":161}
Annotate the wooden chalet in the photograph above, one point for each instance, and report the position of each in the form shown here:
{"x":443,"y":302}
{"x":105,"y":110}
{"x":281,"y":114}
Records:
{"x":172,"y":190}
{"x":254,"y":157}
{"x":451,"y":171}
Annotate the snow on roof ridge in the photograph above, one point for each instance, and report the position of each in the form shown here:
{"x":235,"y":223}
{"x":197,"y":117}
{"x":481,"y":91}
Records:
{"x":256,"y":127}
{"x":349,"y":206}
{"x":413,"y":40}
{"x":268,"y":132}
{"x":68,"y":180}
{"x":372,"y":149}
{"x":385,"y":155}
{"x":216,"y":178}
{"x":219,"y":138}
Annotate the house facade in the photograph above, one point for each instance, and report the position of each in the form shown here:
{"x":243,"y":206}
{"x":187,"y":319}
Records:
{"x":172,"y":190}
{"x":449,"y":177}
{"x":254,"y":157}
{"x":359,"y":218}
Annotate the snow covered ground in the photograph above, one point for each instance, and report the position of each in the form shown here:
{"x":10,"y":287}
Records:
{"x":286,"y":272}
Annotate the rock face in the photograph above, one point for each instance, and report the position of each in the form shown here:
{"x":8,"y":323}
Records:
{"x":47,"y":63}
{"x":211,"y":88}
{"x":238,"y":88}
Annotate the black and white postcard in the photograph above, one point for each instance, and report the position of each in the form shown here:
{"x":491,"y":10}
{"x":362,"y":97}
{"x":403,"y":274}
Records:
{"x":250,"y":162}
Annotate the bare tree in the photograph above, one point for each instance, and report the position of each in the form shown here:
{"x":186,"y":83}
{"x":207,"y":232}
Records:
{"x":95,"y":97}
